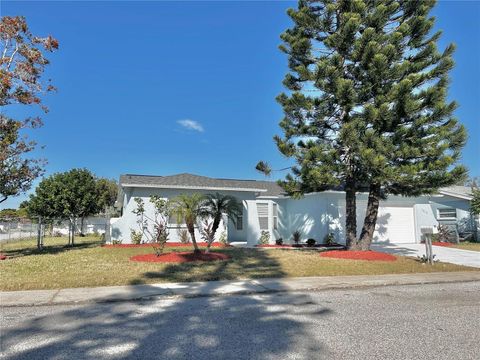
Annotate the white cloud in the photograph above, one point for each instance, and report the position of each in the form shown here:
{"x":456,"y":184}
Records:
{"x":191,"y":125}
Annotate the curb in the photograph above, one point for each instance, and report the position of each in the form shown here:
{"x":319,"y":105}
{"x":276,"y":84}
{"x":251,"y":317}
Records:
{"x":224,"y":288}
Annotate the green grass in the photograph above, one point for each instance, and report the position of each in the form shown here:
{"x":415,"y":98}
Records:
{"x":88,"y":264}
{"x":468,"y":246}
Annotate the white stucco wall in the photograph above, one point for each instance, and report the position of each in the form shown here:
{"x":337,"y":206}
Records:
{"x":314,"y":215}
{"x":120,"y":230}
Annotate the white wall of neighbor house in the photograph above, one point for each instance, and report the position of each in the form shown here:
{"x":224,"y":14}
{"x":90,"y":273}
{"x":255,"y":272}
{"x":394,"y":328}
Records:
{"x":120,"y":230}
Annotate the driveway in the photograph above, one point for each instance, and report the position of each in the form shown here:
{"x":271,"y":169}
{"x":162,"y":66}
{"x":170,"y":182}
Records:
{"x":444,"y":254}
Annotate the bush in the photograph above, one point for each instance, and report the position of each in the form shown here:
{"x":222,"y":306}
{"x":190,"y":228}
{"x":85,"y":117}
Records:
{"x":445,"y":234}
{"x":265,"y":238}
{"x":116,"y":242}
{"x":223,"y":238}
{"x":136,"y":236}
{"x":296,"y":237}
{"x":279,"y":241}
{"x":311,"y":242}
{"x":329,"y":239}
{"x":184,"y":236}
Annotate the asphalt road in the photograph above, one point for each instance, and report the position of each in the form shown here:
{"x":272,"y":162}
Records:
{"x":407,"y":322}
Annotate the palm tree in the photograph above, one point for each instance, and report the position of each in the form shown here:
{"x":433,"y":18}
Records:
{"x":215,"y":206}
{"x":189,"y":208}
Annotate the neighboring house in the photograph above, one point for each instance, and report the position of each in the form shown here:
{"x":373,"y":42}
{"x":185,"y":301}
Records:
{"x":267,"y":208}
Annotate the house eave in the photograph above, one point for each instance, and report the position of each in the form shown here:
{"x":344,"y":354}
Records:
{"x":455,"y":195}
{"x":185,"y":187}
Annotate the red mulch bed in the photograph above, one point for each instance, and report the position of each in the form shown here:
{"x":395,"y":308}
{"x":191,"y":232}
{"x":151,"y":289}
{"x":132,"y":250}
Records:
{"x":169,"y":244}
{"x":445,"y":244}
{"x":180,"y":257}
{"x":3,"y":257}
{"x":359,"y":255}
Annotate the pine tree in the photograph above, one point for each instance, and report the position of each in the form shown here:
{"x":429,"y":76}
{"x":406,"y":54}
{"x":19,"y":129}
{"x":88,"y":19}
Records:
{"x":367,"y":105}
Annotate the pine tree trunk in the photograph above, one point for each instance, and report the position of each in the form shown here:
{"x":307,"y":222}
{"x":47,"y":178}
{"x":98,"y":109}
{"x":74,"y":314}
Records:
{"x":371,"y":216}
{"x":351,"y":215}
{"x":191,"y":230}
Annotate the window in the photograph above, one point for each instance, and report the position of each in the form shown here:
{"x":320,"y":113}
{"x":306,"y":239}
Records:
{"x":275,"y":216}
{"x":447,"y":213}
{"x":262,"y":211}
{"x":239,"y":222}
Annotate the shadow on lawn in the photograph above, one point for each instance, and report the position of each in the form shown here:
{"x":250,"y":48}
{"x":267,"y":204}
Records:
{"x":50,"y":249}
{"x":244,"y":263}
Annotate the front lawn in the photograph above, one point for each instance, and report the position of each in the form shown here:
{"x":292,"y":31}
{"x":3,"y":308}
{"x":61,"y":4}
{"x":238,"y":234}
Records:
{"x":467,"y":246}
{"x":89,"y":264}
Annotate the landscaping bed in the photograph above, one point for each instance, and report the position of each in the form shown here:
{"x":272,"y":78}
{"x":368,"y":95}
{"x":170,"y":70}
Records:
{"x":168,"y":244}
{"x":301,"y":246}
{"x":359,"y":255}
{"x":180,"y":257}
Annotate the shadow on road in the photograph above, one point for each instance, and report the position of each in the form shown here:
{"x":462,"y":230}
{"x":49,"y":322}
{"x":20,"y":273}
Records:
{"x":225,"y":327}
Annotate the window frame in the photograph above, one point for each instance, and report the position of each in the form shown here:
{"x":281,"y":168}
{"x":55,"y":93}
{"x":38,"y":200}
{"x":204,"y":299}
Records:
{"x":443,"y":217}
{"x":239,"y":223}
{"x":263,"y":217}
{"x":275,"y":216}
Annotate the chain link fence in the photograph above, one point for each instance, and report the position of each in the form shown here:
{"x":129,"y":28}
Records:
{"x":14,"y":229}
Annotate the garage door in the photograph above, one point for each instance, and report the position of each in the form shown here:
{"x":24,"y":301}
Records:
{"x":395,"y":225}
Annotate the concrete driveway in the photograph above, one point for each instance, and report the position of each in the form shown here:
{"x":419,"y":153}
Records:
{"x":444,"y":254}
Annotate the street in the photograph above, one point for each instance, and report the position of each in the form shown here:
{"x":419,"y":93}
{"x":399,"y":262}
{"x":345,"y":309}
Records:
{"x":394,"y":322}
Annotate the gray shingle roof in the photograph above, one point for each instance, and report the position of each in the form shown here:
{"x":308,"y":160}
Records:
{"x":267,"y":188}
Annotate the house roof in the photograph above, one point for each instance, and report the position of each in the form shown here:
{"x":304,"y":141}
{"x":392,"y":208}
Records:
{"x":191,"y":181}
{"x":265,"y":188}
{"x":458,"y":191}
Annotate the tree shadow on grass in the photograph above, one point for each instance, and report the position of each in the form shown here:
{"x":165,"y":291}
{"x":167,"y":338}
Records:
{"x":228,"y":327}
{"x":50,"y":249}
{"x":243,"y":264}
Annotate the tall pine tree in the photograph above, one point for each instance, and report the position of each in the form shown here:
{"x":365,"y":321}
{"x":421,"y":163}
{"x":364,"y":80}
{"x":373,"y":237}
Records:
{"x":367,"y":105}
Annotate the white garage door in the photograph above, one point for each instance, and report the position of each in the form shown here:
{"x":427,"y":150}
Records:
{"x":395,"y":225}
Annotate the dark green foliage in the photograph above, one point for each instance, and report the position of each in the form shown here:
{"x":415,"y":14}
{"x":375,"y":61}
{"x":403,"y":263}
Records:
{"x":311,"y":242}
{"x":279,"y":241}
{"x":107,"y":194}
{"x":68,"y":195}
{"x":296,"y":237}
{"x":367,"y":103}
{"x":475,"y":203}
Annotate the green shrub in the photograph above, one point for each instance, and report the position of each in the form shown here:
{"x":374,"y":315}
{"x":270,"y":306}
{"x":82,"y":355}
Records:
{"x":296,"y":237}
{"x":279,"y":241}
{"x":136,"y":236}
{"x":311,"y":242}
{"x":223,"y":238}
{"x":265,"y":237}
{"x":116,"y":242}
{"x":329,"y":239}
{"x":184,"y":236}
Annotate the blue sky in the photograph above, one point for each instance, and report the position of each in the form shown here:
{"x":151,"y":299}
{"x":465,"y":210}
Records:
{"x":171,"y":87}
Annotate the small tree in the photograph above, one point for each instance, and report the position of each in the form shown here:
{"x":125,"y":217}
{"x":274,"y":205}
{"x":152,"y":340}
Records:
{"x":216,"y":206}
{"x":107,"y":191}
{"x":153,"y":228}
{"x":22,"y":64}
{"x":189,"y":209}
{"x":69,"y":195}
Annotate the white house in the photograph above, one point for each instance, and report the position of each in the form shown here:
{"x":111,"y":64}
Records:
{"x":267,"y":208}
